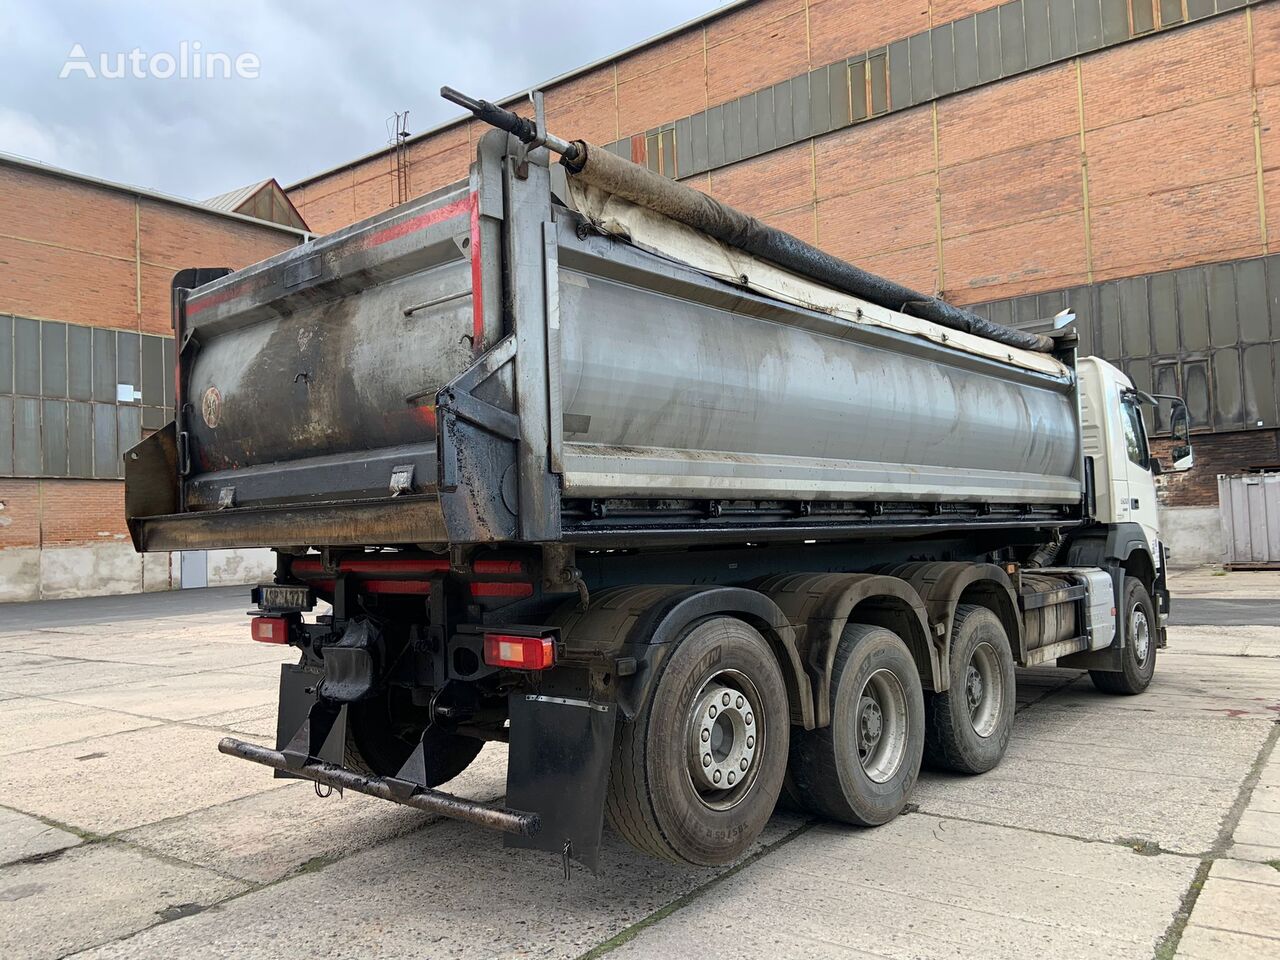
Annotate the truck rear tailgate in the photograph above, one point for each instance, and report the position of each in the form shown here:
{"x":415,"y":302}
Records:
{"x":312,"y":376}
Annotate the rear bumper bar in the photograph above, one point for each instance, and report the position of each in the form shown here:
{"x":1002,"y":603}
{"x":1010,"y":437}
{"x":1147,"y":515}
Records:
{"x":398,"y":791}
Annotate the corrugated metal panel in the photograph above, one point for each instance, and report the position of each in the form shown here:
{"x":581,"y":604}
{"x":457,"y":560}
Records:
{"x":667,"y":144}
{"x":104,"y":441}
{"x":53,"y":359}
{"x":1227,"y":411}
{"x":6,"y":354}
{"x":750,"y":131}
{"x":965,"y":33}
{"x":733,"y":131}
{"x":53,"y":438}
{"x":27,"y":459}
{"x":715,"y":137}
{"x":128,"y":359}
{"x":899,"y":75}
{"x":1193,"y":309}
{"x":1259,"y":386}
{"x":989,"y":45}
{"x":684,"y":151}
{"x":1164,"y":313}
{"x":104,"y":365}
{"x":79,"y":362}
{"x":764,"y":120}
{"x":1195,"y":391}
{"x":1013,"y":51}
{"x":921,"y":51}
{"x":858,"y":89}
{"x":801,"y":125}
{"x":26,"y":356}
{"x":942,"y":49}
{"x":6,"y":436}
{"x":1062,"y":29}
{"x":783,"y":122}
{"x":819,"y":101}
{"x":1170,"y":12}
{"x":1109,"y":320}
{"x":1199,"y":8}
{"x":1223,"y":324}
{"x":1249,"y":511}
{"x":1135,"y":318}
{"x":838,"y":91}
{"x":1088,"y":25}
{"x":1115,"y":21}
{"x":698,"y":129}
{"x":79,"y":440}
{"x":1139,"y":372}
{"x":129,"y":423}
{"x":152,"y":371}
{"x":1035,"y":19}
{"x":1252,"y":321}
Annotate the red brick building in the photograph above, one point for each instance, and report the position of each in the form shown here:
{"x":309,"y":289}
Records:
{"x":1120,"y":157}
{"x":85,"y":272}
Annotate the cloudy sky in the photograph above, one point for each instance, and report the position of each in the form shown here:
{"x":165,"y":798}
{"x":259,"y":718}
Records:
{"x":326,"y":84}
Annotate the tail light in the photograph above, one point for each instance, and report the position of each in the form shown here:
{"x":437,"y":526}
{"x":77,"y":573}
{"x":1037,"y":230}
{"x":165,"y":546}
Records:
{"x":270,"y":629}
{"x":519,"y":653}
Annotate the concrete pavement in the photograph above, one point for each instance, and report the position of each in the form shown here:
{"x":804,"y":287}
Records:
{"x":1115,"y":827}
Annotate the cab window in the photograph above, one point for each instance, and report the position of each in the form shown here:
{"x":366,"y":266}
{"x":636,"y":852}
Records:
{"x":1135,"y":434}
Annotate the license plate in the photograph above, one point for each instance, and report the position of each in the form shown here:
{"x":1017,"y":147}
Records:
{"x":274,"y":596}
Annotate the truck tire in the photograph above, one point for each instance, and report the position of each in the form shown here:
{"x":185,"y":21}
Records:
{"x":861,"y":769}
{"x":970,"y":723}
{"x":378,"y":747}
{"x":1139,"y":655}
{"x":696,"y":776}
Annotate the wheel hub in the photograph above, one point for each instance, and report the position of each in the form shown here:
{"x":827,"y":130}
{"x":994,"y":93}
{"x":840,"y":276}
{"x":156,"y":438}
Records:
{"x":973,"y":688}
{"x":870,"y":724}
{"x":1141,"y":630}
{"x":723,"y":739}
{"x":881,"y":734}
{"x":984,"y":690}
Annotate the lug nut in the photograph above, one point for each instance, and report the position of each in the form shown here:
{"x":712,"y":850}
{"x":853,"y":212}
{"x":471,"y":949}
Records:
{"x":716,"y":776}
{"x":706,"y":735}
{"x":739,"y":703}
{"x":725,"y":700}
{"x":743,"y":765}
{"x":748,"y":718}
{"x":731,"y":777}
{"x":706,"y":759}
{"x":751,"y":743}
{"x":711,"y":710}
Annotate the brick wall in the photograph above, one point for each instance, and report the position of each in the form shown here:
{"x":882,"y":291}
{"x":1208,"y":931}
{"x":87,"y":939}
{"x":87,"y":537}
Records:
{"x":1215,"y":453}
{"x":101,"y":257}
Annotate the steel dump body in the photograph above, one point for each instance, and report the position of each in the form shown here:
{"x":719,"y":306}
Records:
{"x":482,"y":366}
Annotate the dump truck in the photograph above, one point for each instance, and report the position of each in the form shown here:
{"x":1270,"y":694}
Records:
{"x":693,"y":516}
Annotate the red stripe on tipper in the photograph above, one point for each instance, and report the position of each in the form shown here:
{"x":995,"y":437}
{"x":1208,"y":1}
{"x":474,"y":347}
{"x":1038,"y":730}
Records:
{"x":414,"y":224}
{"x":214,"y":299}
{"x":477,"y":288}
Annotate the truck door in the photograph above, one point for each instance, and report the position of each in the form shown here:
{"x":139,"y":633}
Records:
{"x":1136,"y":480}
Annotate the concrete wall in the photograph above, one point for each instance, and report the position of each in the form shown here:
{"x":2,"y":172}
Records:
{"x":101,"y":569}
{"x":1192,"y":534}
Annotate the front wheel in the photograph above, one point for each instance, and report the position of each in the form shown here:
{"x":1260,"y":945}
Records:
{"x":697,"y":774}
{"x":1138,"y":659}
{"x":862,"y":767}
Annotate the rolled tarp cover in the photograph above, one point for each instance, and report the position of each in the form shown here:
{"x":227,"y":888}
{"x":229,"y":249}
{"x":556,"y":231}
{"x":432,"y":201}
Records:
{"x":601,"y":169}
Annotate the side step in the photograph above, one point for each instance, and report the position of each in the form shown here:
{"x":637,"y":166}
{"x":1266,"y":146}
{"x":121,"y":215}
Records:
{"x":432,"y":801}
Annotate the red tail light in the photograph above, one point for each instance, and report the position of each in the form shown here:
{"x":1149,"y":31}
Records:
{"x":519,"y":653}
{"x":270,"y":629}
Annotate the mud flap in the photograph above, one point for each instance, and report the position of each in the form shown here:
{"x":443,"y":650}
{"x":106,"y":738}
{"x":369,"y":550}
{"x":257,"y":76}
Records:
{"x":558,"y":767}
{"x":302,"y":727}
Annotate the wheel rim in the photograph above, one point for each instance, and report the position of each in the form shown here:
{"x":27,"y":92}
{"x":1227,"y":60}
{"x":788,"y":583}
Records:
{"x":1140,"y":629}
{"x":881,"y":725}
{"x":984,"y":689}
{"x":726,"y":739}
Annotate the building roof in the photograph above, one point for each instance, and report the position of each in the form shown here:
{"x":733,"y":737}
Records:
{"x":49,"y":169}
{"x":707,"y":17}
{"x":264,"y":200}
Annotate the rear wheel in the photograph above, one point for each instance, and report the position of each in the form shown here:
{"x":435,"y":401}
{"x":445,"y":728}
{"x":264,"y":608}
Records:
{"x":1138,"y":658}
{"x":970,"y":722}
{"x":381,"y":733}
{"x":697,"y":774}
{"x":861,"y":769}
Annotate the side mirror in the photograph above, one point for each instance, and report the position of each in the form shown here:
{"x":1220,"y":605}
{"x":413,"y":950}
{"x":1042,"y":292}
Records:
{"x":1184,"y":458}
